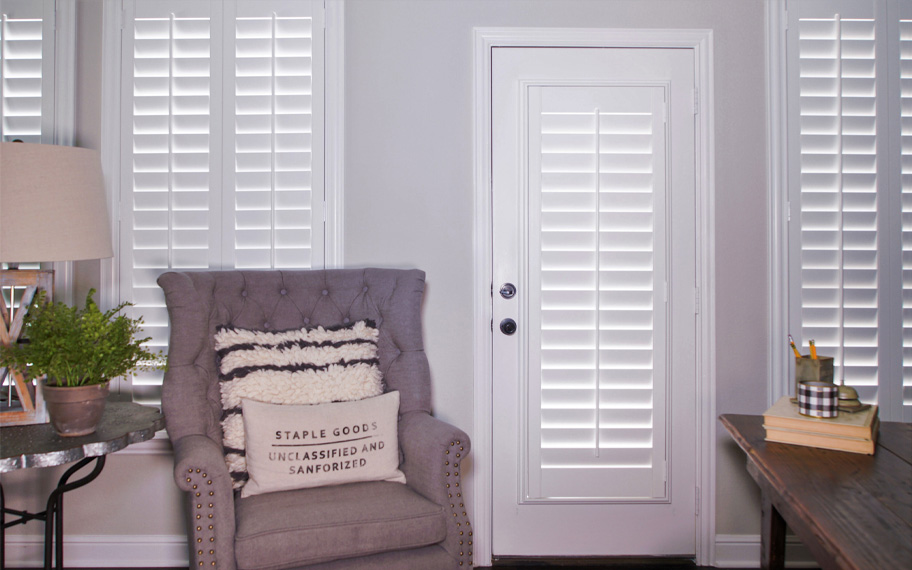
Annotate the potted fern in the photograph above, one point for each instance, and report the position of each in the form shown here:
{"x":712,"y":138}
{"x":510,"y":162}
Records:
{"x":78,"y":351}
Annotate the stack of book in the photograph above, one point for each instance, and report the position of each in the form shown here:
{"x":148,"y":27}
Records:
{"x":854,"y":432}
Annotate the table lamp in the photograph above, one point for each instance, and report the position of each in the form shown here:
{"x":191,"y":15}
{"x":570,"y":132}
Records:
{"x":52,"y":208}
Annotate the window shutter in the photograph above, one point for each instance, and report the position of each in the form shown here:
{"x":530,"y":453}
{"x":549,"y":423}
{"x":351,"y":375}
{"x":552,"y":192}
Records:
{"x":598,"y":164}
{"x":167,"y":174}
{"x":905,"y":97}
{"x":218,"y":143}
{"x":848,"y":81}
{"x":273,"y":142}
{"x":839,"y":200}
{"x":26,"y":70}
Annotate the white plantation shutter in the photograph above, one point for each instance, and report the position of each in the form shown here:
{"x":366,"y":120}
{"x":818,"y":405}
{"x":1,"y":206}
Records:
{"x":597,"y":182}
{"x":905,"y":160}
{"x":218,"y":146}
{"x":26,"y":70}
{"x":273,"y":147}
{"x":839,"y":239}
{"x":845,"y":229}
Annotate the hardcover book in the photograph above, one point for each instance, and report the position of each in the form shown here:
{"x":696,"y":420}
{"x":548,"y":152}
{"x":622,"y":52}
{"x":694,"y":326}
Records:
{"x":784,"y":415}
{"x":834,"y":442}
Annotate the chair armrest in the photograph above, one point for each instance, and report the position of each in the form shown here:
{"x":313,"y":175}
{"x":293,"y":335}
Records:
{"x":433,"y":454}
{"x":200,"y":470}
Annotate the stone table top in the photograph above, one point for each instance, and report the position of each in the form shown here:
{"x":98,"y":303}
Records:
{"x":38,"y":445}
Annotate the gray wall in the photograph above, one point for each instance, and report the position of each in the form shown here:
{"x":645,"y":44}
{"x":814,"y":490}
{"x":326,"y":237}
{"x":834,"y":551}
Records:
{"x":409,"y":178}
{"x":409,"y":203}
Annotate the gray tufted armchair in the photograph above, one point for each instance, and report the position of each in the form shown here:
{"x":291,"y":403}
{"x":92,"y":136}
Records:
{"x":382,"y":525}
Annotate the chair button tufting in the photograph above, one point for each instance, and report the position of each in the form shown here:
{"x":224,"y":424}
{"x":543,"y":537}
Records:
{"x":243,"y":293}
{"x":346,"y":320}
{"x":283,"y":292}
{"x":265,"y":325}
{"x":306,"y":320}
{"x":364,"y":290}
{"x":325,"y":292}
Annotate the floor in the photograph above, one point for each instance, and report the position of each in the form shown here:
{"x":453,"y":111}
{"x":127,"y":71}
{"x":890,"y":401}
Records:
{"x":619,"y":564}
{"x":599,"y":564}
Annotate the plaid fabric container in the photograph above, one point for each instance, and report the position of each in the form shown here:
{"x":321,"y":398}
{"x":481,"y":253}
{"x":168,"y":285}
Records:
{"x":818,"y":399}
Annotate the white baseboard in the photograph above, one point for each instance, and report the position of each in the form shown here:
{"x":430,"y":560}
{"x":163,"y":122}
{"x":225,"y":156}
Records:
{"x":168,"y":551}
{"x":101,"y":551}
{"x":743,"y":551}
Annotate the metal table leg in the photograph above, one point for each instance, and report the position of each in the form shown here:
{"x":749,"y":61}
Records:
{"x":52,"y":516}
{"x":2,"y":530}
{"x":53,"y":526}
{"x":22,"y":517}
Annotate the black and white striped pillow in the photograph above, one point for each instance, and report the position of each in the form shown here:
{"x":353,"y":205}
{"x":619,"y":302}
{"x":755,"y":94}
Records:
{"x":303,"y":366}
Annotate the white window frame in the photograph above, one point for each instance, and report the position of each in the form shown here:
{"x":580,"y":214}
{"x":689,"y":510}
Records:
{"x":782,"y":208}
{"x":113,"y":23}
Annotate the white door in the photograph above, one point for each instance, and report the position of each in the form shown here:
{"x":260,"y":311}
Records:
{"x":594,"y":220}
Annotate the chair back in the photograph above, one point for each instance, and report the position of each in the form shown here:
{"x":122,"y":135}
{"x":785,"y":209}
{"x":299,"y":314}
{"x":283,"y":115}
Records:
{"x":199,"y":302}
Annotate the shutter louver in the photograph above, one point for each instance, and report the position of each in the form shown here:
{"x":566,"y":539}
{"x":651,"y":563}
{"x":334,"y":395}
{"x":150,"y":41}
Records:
{"x":599,"y":165}
{"x":905,"y":83}
{"x":25,"y":94}
{"x":838,"y":179}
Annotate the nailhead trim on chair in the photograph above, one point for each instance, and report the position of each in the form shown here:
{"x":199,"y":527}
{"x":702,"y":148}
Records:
{"x":203,"y":531}
{"x":457,"y":503}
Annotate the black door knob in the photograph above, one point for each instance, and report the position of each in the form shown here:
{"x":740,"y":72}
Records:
{"x":508,"y":326}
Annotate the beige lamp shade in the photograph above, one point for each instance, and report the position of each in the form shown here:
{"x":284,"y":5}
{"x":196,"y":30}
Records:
{"x":52,"y":204}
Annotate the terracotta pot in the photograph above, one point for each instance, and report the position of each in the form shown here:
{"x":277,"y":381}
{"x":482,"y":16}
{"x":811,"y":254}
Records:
{"x":75,"y":410}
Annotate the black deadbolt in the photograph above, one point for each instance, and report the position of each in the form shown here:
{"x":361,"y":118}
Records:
{"x":508,"y":326}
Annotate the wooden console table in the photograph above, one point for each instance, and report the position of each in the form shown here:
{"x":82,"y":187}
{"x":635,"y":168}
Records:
{"x":851,"y":511}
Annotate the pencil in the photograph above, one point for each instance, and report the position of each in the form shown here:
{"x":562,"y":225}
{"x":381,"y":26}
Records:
{"x":794,"y":348}
{"x":813,"y":349}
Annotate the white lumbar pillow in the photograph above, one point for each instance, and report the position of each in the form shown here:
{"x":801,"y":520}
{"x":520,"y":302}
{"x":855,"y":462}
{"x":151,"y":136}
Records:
{"x":300,"y":446}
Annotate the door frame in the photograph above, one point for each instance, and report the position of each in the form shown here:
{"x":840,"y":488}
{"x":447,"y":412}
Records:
{"x":701,"y":41}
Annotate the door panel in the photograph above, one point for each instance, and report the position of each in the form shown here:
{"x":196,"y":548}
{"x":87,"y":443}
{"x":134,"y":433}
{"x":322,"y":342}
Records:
{"x":593,"y":188}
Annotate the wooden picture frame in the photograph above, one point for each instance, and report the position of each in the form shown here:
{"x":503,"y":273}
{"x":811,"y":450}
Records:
{"x":27,"y":407}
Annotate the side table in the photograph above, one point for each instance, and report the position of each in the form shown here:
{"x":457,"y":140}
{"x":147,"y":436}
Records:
{"x":24,"y":447}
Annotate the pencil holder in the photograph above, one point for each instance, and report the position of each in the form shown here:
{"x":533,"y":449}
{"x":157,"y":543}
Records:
{"x":809,"y":369}
{"x":818,"y":399}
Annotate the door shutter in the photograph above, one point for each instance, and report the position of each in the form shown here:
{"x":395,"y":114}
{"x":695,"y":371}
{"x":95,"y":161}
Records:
{"x":597,"y":180}
{"x":26,"y":70}
{"x":218,"y":145}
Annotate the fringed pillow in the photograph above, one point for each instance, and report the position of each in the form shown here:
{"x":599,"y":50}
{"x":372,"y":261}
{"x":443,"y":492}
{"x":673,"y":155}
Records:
{"x":305,"y":366}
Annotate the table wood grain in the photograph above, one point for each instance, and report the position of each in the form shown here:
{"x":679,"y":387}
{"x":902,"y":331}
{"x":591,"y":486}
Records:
{"x":852,"y":511}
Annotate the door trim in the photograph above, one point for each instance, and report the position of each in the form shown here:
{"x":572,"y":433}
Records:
{"x":701,"y":41}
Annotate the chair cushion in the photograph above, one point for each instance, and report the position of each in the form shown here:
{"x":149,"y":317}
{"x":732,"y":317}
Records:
{"x":295,"y":528}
